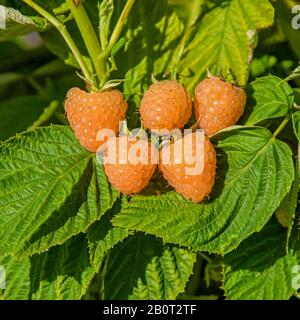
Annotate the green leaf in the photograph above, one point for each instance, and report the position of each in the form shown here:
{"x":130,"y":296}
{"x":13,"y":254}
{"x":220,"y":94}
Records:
{"x":103,"y":236}
{"x":46,"y":115}
{"x":252,"y":165}
{"x":225,"y":39}
{"x":188,"y":11}
{"x":54,"y":41}
{"x":262,"y":65}
{"x":17,"y":24}
{"x":294,"y":244}
{"x":296,"y":123}
{"x":38,"y":172}
{"x":287,"y":209}
{"x":106,"y":10}
{"x":56,"y":44}
{"x":269,"y":98}
{"x":82,"y":208}
{"x":152,"y":35}
{"x":260,"y":268}
{"x":62,"y":273}
{"x":53,"y":68}
{"x":166,"y":276}
{"x":17,"y":278}
{"x":8,"y":78}
{"x":17,"y":114}
{"x":126,"y":263}
{"x":297,"y":95}
{"x":294,"y":74}
{"x":142,"y":268}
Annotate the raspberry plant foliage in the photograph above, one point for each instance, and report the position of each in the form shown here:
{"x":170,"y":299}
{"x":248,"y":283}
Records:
{"x":66,"y":233}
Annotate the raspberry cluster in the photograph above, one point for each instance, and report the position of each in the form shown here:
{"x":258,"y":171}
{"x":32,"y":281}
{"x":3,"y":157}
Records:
{"x":165,"y":105}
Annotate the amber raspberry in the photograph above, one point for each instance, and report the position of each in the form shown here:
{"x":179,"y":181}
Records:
{"x":165,"y":105}
{"x":129,"y":163}
{"x":88,"y":113}
{"x":192,"y":175}
{"x":218,"y":104}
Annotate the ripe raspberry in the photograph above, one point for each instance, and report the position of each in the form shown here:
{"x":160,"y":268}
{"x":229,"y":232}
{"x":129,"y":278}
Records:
{"x":129,"y":163}
{"x":166,"y":105}
{"x":218,"y":104}
{"x":90,"y":112}
{"x":196,"y":183}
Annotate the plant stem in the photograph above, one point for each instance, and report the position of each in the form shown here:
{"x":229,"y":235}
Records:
{"x":103,"y":272}
{"x":116,"y":32}
{"x":40,"y":90}
{"x":119,"y":26}
{"x":195,"y":125}
{"x":65,"y":34}
{"x":182,"y":47}
{"x":46,"y":115}
{"x":89,"y":36}
{"x":205,"y":257}
{"x":282,"y":125}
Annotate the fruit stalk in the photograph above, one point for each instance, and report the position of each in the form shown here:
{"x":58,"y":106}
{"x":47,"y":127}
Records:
{"x":65,"y":34}
{"x":89,"y":36}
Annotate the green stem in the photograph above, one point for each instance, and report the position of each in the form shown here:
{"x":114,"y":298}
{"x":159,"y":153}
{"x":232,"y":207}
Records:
{"x":45,"y":116}
{"x":205,"y":257}
{"x":103,"y":272}
{"x":40,"y":90}
{"x":116,"y":32}
{"x":195,"y":125}
{"x":282,"y":125}
{"x":89,"y":36}
{"x":65,"y":34}
{"x":119,"y":26}
{"x":177,"y":59}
